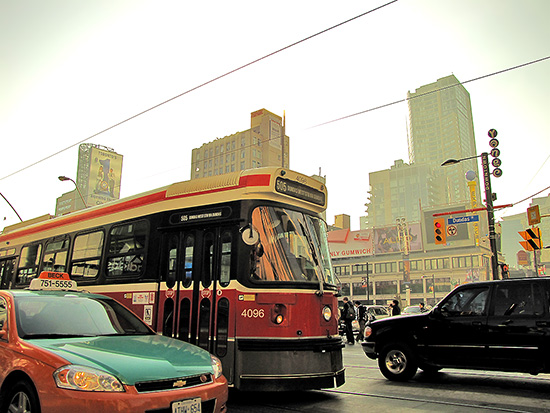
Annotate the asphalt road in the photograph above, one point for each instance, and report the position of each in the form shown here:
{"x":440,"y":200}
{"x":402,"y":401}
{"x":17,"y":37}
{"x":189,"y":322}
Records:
{"x":448,"y":391}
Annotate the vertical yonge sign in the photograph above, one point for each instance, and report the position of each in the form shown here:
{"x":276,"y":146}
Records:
{"x":300,"y":191}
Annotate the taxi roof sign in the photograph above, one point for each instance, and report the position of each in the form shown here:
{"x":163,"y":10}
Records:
{"x":51,"y":280}
{"x":54,"y":275}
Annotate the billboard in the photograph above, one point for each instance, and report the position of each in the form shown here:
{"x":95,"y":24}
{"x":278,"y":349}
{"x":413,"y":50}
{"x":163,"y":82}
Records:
{"x":386,"y":240}
{"x":345,"y":243}
{"x":99,"y":174}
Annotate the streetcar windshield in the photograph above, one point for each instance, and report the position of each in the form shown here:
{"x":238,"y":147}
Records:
{"x":293,"y":247}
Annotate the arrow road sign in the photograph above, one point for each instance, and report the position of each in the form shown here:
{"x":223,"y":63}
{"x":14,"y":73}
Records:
{"x":532,"y":239}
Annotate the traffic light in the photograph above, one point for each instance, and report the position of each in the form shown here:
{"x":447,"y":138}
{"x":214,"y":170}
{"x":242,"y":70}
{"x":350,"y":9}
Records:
{"x":439,"y":231}
{"x":505,"y":271}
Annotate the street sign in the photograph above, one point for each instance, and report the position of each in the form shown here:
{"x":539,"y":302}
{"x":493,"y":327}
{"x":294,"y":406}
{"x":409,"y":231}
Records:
{"x":462,"y":220}
{"x":532,"y":239}
{"x":533,"y":215}
{"x":452,"y":230}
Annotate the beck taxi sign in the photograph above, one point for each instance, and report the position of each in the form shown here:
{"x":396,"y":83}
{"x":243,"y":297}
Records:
{"x":50,"y":280}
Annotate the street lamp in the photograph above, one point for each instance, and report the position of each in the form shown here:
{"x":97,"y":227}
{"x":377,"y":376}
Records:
{"x":6,"y":199}
{"x":65,"y":178}
{"x":489,"y":202}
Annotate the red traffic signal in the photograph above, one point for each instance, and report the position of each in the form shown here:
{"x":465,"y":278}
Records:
{"x":440,"y":235}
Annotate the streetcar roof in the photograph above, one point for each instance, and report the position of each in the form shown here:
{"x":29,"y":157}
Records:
{"x":247,"y":181}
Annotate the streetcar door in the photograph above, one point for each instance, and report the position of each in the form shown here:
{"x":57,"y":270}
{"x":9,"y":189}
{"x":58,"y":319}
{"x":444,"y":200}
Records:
{"x":210,"y":322}
{"x":6,"y":272}
{"x":197,"y":265}
{"x":176,"y":268}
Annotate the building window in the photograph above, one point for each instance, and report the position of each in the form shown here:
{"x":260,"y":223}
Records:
{"x":385,"y":267}
{"x":341,"y":270}
{"x":466,"y":261}
{"x":436,"y":264}
{"x":361,"y":269}
{"x":416,"y":265}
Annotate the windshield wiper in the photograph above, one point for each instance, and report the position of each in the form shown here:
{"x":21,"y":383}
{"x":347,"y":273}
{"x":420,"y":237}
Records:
{"x":54,"y":335}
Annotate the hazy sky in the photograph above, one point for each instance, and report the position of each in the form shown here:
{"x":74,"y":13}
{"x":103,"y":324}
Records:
{"x":70,"y":69}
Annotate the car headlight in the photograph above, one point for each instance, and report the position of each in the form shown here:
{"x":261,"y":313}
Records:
{"x":217,"y":366}
{"x":327,"y":313}
{"x":84,"y":378}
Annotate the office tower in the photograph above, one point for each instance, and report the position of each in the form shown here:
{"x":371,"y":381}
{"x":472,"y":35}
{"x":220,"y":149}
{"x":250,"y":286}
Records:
{"x":261,"y":145}
{"x":398,"y":192}
{"x":441,"y":128}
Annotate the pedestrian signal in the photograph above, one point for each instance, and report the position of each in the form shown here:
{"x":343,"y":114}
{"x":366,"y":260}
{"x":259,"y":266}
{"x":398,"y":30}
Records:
{"x":439,"y":231}
{"x":505,"y":270}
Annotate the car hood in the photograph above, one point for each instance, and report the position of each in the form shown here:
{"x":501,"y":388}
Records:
{"x":132,"y":358}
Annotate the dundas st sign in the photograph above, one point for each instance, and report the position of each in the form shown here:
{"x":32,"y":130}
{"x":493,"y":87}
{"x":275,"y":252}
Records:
{"x":345,"y":243}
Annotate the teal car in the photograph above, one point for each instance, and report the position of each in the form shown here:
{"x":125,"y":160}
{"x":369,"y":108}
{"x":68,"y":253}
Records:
{"x":69,"y":351}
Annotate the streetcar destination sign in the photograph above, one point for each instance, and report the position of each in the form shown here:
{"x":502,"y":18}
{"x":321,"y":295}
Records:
{"x":462,"y":220}
{"x":300,"y":191}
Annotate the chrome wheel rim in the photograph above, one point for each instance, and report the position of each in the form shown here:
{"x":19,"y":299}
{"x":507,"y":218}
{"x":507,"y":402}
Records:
{"x":396,"y":362}
{"x":20,"y":403}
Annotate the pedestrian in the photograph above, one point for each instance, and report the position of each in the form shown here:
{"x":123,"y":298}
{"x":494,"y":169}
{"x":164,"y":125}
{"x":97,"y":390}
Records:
{"x":394,"y":307}
{"x":362,"y":318}
{"x":348,"y":314}
{"x":421,"y":305}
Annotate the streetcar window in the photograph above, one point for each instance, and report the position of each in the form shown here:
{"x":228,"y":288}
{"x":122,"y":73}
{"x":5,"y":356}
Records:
{"x":185,"y":316}
{"x":225,"y":272}
{"x":204,"y":322}
{"x":189,"y":249}
{"x":86,"y":255}
{"x":3,"y":312}
{"x":55,"y":255}
{"x":318,"y":229}
{"x":28,"y":263}
{"x":208,"y":259}
{"x":222,"y":330}
{"x":126,"y":249}
{"x":288,"y":252}
{"x":172,"y":261}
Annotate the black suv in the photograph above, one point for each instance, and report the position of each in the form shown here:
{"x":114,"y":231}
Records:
{"x":491,"y":325}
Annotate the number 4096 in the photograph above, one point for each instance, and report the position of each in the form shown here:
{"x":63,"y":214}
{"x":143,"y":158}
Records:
{"x":253,"y":313}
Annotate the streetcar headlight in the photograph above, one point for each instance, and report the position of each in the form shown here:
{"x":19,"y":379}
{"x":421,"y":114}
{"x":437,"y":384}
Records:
{"x":84,"y":378}
{"x":278,"y":314}
{"x":327,"y":313}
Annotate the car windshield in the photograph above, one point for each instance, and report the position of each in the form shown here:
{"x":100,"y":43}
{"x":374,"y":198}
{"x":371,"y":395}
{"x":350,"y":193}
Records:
{"x":378,"y":311}
{"x":72,"y":315}
{"x":294,"y":247}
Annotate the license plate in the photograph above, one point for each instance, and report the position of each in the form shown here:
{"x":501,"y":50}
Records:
{"x":187,"y":406}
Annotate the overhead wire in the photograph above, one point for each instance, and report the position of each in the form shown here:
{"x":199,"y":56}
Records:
{"x":430,"y":92}
{"x":204,"y":84}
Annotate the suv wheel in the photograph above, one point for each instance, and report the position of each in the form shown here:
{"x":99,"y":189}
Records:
{"x":397,"y":363}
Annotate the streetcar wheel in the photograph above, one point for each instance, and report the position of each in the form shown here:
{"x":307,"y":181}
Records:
{"x":397,"y":363}
{"x":21,"y":398}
